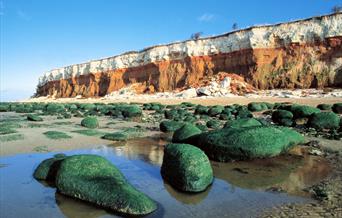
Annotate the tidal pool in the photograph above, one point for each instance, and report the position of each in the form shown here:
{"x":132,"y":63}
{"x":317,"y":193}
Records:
{"x":237,"y":191}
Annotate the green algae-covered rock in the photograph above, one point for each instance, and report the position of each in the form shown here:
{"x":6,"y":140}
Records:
{"x":90,"y":122}
{"x":243,"y":112}
{"x":4,"y":107}
{"x":170,"y":114}
{"x":281,"y":114}
{"x":301,"y":111}
{"x":202,"y":127}
{"x":47,"y":169}
{"x":337,"y":108}
{"x":324,"y":107}
{"x":285,"y":122}
{"x":94,"y":179}
{"x":170,"y":125}
{"x":257,"y":106}
{"x":200,"y":109}
{"x":324,"y":120}
{"x":88,"y":107}
{"x":186,"y":168}
{"x":126,"y":134}
{"x":34,"y":117}
{"x":56,"y":135}
{"x":214,"y":124}
{"x":244,"y":122}
{"x":116,"y":136}
{"x":282,"y":117}
{"x":185,"y":132}
{"x":52,"y":108}
{"x":215,"y":110}
{"x":130,"y":111}
{"x":246,"y":143}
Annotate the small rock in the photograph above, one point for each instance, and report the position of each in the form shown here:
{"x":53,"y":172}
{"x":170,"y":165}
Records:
{"x":316,"y":152}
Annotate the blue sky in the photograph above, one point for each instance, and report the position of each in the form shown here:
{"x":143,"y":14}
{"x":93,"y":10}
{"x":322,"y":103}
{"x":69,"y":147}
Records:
{"x":39,"y":35}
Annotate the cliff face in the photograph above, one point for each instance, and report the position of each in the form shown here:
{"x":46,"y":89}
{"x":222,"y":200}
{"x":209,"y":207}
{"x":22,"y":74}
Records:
{"x":299,"y":54}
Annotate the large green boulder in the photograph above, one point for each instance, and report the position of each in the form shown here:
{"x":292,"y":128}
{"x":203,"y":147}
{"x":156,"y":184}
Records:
{"x":94,"y":179}
{"x":90,"y":122}
{"x":246,"y":143}
{"x":302,"y":111}
{"x":324,"y":120}
{"x":186,"y":168}
{"x":170,"y":125}
{"x":34,"y":117}
{"x":243,"y":122}
{"x":337,"y":108}
{"x":47,"y":169}
{"x":185,"y":132}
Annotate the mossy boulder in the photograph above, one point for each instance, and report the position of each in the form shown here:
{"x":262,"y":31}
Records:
{"x":325,"y":107}
{"x":202,"y":127}
{"x":53,"y":108}
{"x":4,"y":107}
{"x":170,"y":114}
{"x":90,"y":122}
{"x":281,"y":114}
{"x":213,"y":124}
{"x":246,"y":143}
{"x":244,"y":122}
{"x":126,"y":134}
{"x":94,"y":179}
{"x":200,"y":109}
{"x":170,"y":125}
{"x":47,"y":169}
{"x":257,"y":106}
{"x":243,"y":112}
{"x":186,"y":131}
{"x":337,"y":108}
{"x":301,"y":111}
{"x":324,"y":120}
{"x":131,"y":111}
{"x":215,"y":110}
{"x":282,"y":117}
{"x":186,"y":168}
{"x":34,"y":117}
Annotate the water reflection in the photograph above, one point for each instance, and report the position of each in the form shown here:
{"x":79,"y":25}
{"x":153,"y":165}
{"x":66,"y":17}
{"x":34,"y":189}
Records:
{"x":232,"y":193}
{"x":187,"y":198}
{"x":73,"y":208}
{"x":290,"y":172}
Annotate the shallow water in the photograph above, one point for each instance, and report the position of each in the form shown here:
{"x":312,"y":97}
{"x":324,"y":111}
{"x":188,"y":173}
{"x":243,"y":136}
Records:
{"x":238,"y":189}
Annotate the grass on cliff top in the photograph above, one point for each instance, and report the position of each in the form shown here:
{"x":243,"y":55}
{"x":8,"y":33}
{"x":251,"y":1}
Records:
{"x":56,"y":135}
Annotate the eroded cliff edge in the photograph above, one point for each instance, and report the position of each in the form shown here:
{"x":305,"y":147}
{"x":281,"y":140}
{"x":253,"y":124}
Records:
{"x":299,"y":54}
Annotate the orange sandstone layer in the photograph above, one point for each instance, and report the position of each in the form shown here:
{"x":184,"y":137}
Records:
{"x":294,"y":65}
